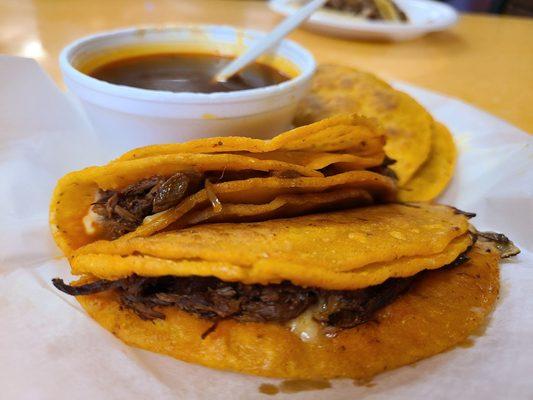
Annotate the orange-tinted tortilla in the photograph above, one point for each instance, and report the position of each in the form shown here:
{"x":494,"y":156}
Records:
{"x":435,"y":174}
{"x":347,"y":249}
{"x":439,"y":311}
{"x":76,"y":192}
{"x":346,"y":143}
{"x":408,"y":126}
{"x":346,"y":134}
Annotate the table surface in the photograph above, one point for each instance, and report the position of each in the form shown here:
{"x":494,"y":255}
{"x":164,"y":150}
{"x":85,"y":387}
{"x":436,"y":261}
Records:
{"x":483,"y":60}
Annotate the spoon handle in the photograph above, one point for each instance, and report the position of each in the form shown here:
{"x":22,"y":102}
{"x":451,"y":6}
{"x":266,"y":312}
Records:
{"x":279,"y":32}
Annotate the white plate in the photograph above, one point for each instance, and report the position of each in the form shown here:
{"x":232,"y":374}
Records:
{"x":424,"y":16}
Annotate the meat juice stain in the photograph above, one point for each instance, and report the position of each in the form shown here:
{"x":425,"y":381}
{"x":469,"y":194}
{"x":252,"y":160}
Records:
{"x":268,"y":389}
{"x":467,"y":343}
{"x":294,"y":386}
{"x":303,"y":385}
{"x":366,"y":382}
{"x":480,"y":331}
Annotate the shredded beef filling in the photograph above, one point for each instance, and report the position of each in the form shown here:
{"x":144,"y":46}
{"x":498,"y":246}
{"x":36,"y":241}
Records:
{"x":213,"y":299}
{"x":504,"y":245}
{"x":122,"y":211}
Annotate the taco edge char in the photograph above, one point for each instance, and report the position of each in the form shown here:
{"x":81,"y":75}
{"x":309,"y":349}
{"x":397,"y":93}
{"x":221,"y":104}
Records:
{"x":341,"y":294}
{"x":335,"y":163}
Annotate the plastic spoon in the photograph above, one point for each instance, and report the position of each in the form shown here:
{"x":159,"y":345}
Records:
{"x":266,"y":43}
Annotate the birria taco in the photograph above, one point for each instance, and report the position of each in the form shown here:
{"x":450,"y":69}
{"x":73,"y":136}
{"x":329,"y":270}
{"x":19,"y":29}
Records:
{"x":407,"y":125}
{"x":423,"y":149}
{"x":335,"y":163}
{"x":347,"y":293}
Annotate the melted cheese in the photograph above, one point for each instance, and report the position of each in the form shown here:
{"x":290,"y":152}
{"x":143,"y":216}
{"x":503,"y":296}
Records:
{"x":90,"y":221}
{"x":305,"y":327}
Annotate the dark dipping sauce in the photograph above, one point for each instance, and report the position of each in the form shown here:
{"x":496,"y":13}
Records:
{"x":185,"y":73}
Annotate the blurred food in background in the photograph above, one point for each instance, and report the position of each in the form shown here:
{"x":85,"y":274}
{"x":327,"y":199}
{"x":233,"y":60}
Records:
{"x":393,"y":11}
{"x":382,"y":20}
{"x":385,"y":10}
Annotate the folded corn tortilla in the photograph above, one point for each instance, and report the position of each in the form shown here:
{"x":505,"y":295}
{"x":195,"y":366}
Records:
{"x":343,"y":250}
{"x":338,"y":250}
{"x":408,"y":126}
{"x":435,"y":174}
{"x":255,"y":179}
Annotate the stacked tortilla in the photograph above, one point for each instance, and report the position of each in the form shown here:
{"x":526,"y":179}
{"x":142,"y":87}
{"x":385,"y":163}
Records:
{"x":286,"y":258}
{"x":422,"y":148}
{"x":331,"y":163}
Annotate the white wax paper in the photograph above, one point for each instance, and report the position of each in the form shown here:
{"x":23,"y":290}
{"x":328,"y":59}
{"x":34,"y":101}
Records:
{"x":49,"y":348}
